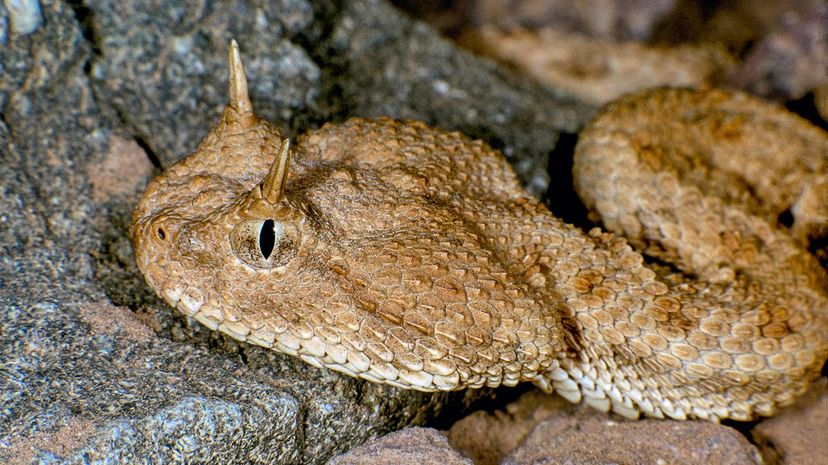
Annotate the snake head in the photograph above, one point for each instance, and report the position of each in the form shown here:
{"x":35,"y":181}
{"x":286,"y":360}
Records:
{"x":363,"y":253}
{"x":222,"y":214}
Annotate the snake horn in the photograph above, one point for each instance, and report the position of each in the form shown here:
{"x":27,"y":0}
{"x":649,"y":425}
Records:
{"x":239,"y":99}
{"x":274,"y":183}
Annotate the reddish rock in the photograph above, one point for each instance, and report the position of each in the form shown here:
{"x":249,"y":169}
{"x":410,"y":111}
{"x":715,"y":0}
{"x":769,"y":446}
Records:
{"x":487,"y":437}
{"x":599,"y":70}
{"x":599,"y":439}
{"x":423,"y":446}
{"x":62,"y":442}
{"x":543,"y":429}
{"x":798,"y":435}
{"x":610,"y":19}
{"x":123,"y":173}
{"x":109,"y":319}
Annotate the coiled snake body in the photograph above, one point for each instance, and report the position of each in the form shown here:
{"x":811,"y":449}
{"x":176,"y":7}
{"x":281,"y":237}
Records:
{"x":409,"y":256}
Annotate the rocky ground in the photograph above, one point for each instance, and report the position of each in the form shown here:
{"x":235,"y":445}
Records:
{"x":98,"y":96}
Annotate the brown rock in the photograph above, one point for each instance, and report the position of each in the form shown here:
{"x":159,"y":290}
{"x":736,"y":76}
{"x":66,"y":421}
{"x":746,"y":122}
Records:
{"x":123,"y":173}
{"x":109,"y":319}
{"x":624,"y":19}
{"x":62,"y":442}
{"x":487,"y":437}
{"x":798,"y":435}
{"x":422,"y":446}
{"x":821,"y":100}
{"x":543,"y":429}
{"x":596,"y":70}
{"x":599,"y":439}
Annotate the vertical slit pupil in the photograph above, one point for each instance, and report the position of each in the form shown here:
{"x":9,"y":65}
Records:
{"x":267,"y":238}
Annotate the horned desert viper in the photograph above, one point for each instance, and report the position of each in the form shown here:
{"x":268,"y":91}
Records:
{"x":410,"y":256}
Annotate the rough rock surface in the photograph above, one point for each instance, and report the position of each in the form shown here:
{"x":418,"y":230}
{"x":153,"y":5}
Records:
{"x":799,"y":434}
{"x":624,"y":20}
{"x":792,"y":59}
{"x":599,"y":71}
{"x":308,"y":63}
{"x":542,"y":429}
{"x":598,"y":440}
{"x":94,"y":97}
{"x":424,"y":446}
{"x":487,"y":437}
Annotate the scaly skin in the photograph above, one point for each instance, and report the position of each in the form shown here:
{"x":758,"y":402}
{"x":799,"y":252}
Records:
{"x":410,"y":256}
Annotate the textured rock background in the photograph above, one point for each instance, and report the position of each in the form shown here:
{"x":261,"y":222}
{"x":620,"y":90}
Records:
{"x":95,"y":98}
{"x":541,"y":429}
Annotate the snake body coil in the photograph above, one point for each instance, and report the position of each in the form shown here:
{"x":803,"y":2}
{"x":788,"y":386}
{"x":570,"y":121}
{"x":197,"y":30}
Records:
{"x":409,"y":256}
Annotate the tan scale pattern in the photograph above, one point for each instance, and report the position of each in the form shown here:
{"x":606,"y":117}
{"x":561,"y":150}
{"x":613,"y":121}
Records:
{"x":412,"y":257}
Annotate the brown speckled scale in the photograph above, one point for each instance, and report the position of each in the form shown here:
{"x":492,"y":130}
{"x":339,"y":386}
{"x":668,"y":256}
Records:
{"x":413,"y":257}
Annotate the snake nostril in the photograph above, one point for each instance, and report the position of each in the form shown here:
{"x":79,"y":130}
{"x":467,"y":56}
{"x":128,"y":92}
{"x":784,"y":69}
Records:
{"x":786,"y":218}
{"x":161,"y":233}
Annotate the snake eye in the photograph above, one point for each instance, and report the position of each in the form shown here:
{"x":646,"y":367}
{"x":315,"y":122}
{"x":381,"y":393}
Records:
{"x":267,"y":238}
{"x":264,"y":244}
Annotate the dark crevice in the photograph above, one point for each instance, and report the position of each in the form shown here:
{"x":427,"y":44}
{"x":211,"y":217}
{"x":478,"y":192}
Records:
{"x":450,"y":18}
{"x":685,"y":22}
{"x":767,"y":449}
{"x":4,"y":120}
{"x":85,"y":17}
{"x":819,"y":248}
{"x":561,"y":197}
{"x":661,"y":265}
{"x":489,"y":400}
{"x":245,"y":359}
{"x":743,"y":427}
{"x":156,"y":162}
{"x":805,"y":107}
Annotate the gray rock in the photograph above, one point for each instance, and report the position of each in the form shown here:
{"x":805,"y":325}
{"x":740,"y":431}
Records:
{"x":24,"y":15}
{"x":93,"y":366}
{"x":791,"y":59}
{"x":163,"y":71}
